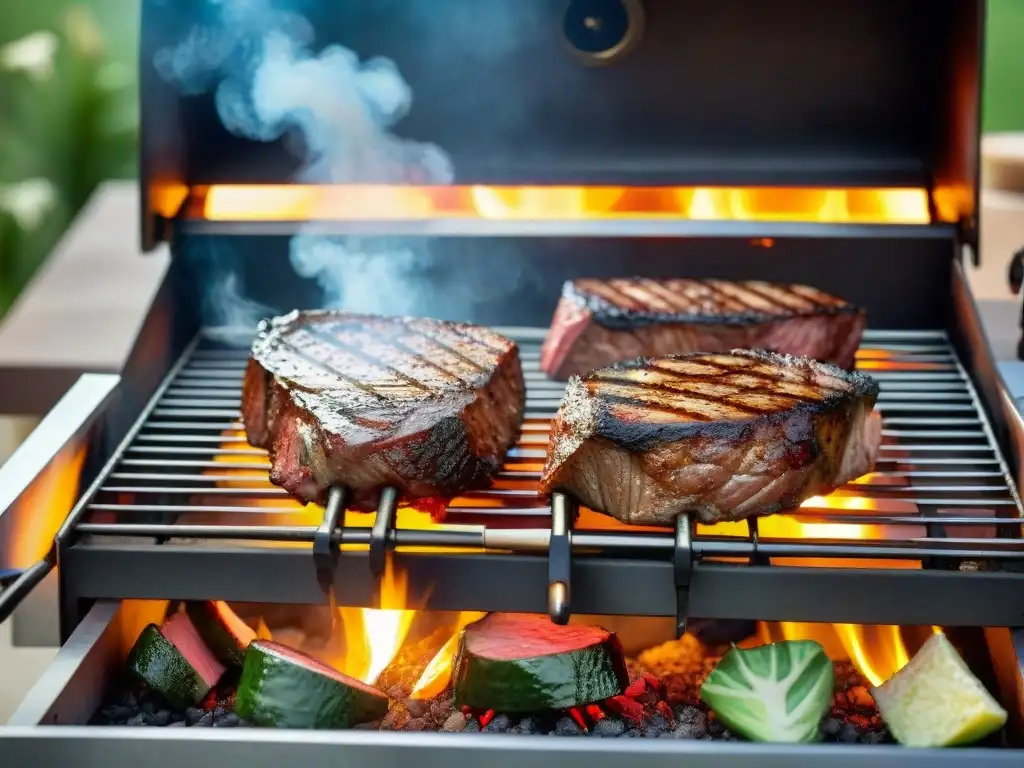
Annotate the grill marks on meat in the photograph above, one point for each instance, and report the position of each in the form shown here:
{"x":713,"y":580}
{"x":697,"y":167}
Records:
{"x":724,"y":436}
{"x":600,"y":322}
{"x":426,"y":406}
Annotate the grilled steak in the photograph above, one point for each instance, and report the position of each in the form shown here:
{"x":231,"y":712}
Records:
{"x":425,"y":406}
{"x":725,"y":436}
{"x":600,"y":322}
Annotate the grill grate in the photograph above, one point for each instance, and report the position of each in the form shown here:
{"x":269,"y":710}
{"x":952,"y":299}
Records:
{"x":940,"y":497}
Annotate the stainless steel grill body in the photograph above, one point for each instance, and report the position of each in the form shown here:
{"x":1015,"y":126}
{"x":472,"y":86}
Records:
{"x":176,"y":505}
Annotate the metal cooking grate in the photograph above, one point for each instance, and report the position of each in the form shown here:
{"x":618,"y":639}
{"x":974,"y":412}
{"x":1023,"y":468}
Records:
{"x":940,"y":495}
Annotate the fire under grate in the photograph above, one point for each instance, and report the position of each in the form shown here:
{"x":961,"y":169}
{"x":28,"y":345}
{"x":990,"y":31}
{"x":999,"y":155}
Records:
{"x":185,"y":510}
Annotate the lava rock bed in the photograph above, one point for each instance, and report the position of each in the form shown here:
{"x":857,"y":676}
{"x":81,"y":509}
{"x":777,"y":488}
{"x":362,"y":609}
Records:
{"x":669,"y":704}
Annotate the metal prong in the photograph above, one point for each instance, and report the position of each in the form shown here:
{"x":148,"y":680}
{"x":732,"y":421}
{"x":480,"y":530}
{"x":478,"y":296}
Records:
{"x":682,"y":562}
{"x":382,"y":523}
{"x":324,"y":552}
{"x":560,"y":558}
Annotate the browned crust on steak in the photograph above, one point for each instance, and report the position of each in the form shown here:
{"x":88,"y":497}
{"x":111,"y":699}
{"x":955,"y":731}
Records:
{"x":724,"y":436}
{"x":599,"y":322}
{"x":425,"y":406}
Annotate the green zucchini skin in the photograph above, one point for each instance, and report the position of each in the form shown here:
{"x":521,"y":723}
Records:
{"x":161,"y":666}
{"x":557,"y":680}
{"x":283,"y":688}
{"x":225,"y":645}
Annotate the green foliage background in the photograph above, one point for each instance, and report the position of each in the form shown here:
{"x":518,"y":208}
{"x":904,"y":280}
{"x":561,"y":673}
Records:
{"x":78,"y":127}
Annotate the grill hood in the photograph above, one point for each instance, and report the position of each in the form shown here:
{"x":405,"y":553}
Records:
{"x":788,"y":92}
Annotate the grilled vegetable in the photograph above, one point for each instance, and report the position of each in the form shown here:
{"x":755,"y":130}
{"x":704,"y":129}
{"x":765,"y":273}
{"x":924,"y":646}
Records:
{"x":174,"y":662}
{"x":225,"y":634}
{"x":776,"y":692}
{"x":284,"y":688}
{"x":525,"y":663}
{"x":936,"y":701}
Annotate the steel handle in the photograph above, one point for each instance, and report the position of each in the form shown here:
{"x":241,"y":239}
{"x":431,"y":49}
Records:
{"x":25,"y":472}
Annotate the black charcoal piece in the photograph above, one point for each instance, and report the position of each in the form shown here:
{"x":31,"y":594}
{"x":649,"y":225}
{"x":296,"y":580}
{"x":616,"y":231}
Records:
{"x":608,"y":727}
{"x":498,"y":724}
{"x":566,"y":726}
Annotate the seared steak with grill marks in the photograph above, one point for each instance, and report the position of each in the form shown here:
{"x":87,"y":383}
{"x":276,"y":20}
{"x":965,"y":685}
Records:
{"x":428,"y":407}
{"x":725,"y":436}
{"x":600,"y":322}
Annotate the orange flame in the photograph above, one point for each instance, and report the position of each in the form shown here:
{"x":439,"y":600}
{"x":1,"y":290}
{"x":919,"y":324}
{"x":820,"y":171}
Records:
{"x":878,"y":652}
{"x":297,"y":202}
{"x":438,"y":673}
{"x":373,"y":636}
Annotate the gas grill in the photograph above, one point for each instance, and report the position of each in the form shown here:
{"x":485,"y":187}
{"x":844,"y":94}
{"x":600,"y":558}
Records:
{"x":656,"y":138}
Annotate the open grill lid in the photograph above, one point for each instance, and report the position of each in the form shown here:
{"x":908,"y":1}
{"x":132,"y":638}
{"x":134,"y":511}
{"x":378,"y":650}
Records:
{"x":842,"y":93}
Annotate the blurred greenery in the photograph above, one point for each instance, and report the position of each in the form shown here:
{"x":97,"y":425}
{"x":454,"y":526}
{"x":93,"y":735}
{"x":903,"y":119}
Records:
{"x":77,"y":125}
{"x":68,"y":119}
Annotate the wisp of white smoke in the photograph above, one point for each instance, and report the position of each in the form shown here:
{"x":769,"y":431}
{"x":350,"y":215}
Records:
{"x":255,"y":56}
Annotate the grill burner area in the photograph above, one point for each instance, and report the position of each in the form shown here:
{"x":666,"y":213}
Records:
{"x":665,"y":681}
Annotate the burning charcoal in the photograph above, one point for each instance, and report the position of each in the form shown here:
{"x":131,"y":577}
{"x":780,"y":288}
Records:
{"x":849,"y":734}
{"x":691,"y":723}
{"x":456,"y":722}
{"x":399,"y":691}
{"x":498,"y":724}
{"x":655,"y":726}
{"x":608,"y":728}
{"x":176,"y":724}
{"x":218,"y":712}
{"x":395,"y":719}
{"x":139,"y":719}
{"x":566,"y":726}
{"x":859,"y":697}
{"x":227,"y":720}
{"x":206,"y":721}
{"x":415,"y":724}
{"x":472,"y":727}
{"x":830,"y":727}
{"x":372,"y":725}
{"x":440,"y":709}
{"x":633,"y":733}
{"x":417,"y":707}
{"x":193,"y":715}
{"x":162,"y":718}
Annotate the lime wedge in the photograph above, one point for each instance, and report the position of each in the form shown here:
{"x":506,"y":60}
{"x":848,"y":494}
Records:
{"x":935,"y":700}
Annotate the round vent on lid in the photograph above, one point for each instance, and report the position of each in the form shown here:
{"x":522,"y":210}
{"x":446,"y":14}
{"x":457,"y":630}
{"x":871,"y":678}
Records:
{"x":603,"y":31}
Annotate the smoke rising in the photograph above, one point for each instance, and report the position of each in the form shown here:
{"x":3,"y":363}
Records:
{"x":255,"y":56}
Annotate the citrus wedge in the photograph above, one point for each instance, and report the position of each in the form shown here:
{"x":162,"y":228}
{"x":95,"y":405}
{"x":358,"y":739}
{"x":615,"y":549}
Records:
{"x":936,"y":701}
